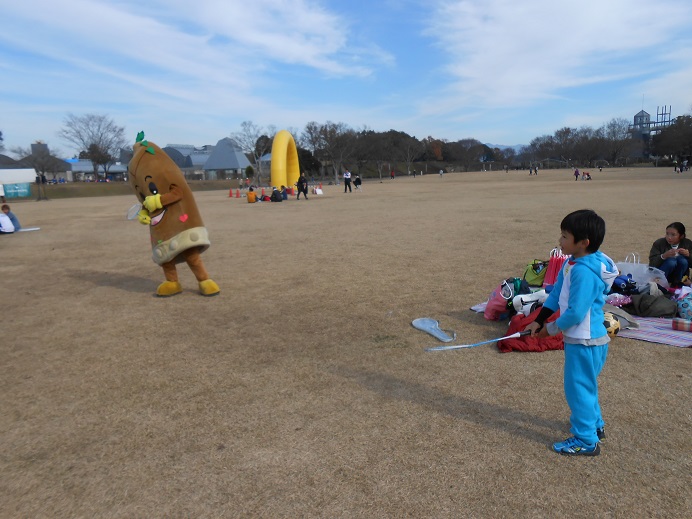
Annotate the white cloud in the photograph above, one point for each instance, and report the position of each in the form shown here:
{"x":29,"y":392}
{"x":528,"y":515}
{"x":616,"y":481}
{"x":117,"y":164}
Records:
{"x":502,"y":53}
{"x":193,"y":71}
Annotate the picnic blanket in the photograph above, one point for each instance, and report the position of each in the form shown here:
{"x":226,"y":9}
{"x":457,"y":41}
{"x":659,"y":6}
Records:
{"x":660,"y":330}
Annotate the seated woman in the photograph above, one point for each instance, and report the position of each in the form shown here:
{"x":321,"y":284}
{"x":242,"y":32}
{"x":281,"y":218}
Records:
{"x":6,"y":226}
{"x":11,"y":216}
{"x":672,"y":253}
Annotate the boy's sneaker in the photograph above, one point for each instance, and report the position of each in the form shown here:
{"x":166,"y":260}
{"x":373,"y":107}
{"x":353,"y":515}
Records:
{"x":601,"y":434}
{"x":575,"y":447}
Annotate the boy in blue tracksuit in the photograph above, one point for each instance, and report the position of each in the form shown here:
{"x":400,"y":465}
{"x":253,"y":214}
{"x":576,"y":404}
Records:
{"x":579,"y":293}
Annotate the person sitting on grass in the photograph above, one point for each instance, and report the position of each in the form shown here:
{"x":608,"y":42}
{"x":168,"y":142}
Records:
{"x":580,"y":293}
{"x":251,"y":196}
{"x":671,"y":254}
{"x":6,"y":226}
{"x":276,"y":195}
{"x":11,"y":216}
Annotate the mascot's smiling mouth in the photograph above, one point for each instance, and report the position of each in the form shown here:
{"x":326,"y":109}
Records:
{"x":156,"y":219}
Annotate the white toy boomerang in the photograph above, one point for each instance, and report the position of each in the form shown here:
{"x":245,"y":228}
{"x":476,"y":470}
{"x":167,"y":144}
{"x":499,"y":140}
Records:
{"x":460,"y":346}
{"x":431,"y":326}
{"x":133,"y":211}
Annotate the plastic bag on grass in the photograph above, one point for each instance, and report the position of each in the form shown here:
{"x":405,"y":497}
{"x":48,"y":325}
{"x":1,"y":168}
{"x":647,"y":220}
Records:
{"x":641,"y":273}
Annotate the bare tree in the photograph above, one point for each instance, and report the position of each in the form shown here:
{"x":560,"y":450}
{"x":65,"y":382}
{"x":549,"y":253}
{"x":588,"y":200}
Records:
{"x":311,"y":140}
{"x":40,"y":158}
{"x":255,"y":140}
{"x":95,"y":134}
{"x":297,"y":136}
{"x":618,"y":139}
{"x":406,"y":148}
{"x":509,"y":156}
{"x":381,"y":146}
{"x":19,"y":152}
{"x":311,"y":137}
{"x":363,"y":150}
{"x":338,"y":144}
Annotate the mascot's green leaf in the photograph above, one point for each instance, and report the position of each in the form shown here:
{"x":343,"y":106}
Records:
{"x":140,"y":140}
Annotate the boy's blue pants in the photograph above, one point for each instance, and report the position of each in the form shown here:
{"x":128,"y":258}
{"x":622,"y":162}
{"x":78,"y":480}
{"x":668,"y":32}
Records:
{"x":583,"y":364}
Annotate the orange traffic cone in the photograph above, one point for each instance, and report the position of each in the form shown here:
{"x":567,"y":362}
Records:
{"x":237,"y":193}
{"x":320,"y":185}
{"x":262,"y":191}
{"x":230,"y":193}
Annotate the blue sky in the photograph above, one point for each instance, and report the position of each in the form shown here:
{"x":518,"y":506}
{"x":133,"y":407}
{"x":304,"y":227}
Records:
{"x":500,"y":71}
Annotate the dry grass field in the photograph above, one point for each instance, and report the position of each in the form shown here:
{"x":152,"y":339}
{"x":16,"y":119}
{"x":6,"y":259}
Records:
{"x":302,"y":390}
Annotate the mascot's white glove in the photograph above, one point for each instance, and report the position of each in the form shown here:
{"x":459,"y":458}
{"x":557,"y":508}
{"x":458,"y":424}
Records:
{"x":143,"y":217}
{"x":152,"y":203}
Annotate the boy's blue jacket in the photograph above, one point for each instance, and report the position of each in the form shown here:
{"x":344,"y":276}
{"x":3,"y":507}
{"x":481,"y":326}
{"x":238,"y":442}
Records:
{"x":580,"y":292}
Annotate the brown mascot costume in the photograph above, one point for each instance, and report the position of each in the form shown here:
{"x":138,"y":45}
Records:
{"x":169,"y":209}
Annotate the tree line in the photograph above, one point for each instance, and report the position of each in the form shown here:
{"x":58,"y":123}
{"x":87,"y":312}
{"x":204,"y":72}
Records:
{"x":328,"y":148}
{"x":325,"y":149}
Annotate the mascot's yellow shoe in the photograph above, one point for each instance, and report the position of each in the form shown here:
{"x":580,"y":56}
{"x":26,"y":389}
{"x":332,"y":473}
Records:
{"x":169,"y":288}
{"x":208,"y":288}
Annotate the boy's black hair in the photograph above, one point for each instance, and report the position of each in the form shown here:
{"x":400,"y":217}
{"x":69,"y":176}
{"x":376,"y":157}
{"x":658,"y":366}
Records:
{"x":585,"y":224}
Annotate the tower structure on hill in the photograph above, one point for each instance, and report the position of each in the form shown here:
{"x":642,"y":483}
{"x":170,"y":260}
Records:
{"x":643,"y":128}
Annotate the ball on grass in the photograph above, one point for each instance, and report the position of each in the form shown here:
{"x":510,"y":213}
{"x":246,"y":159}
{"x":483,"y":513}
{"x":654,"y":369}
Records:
{"x":612,"y":324}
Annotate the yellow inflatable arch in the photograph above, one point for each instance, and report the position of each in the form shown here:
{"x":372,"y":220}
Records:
{"x":285,"y":167}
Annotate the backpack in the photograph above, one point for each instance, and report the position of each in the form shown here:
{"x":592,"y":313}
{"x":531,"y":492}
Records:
{"x":535,"y":273}
{"x":684,"y":305}
{"x":624,"y":285}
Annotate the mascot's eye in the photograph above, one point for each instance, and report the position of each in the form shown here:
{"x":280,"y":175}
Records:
{"x":153,"y":189}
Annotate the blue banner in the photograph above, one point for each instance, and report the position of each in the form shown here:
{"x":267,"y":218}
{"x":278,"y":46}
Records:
{"x":22,"y":190}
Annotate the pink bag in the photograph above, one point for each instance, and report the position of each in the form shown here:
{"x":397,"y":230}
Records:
{"x":497,"y":308}
{"x":557,"y":259}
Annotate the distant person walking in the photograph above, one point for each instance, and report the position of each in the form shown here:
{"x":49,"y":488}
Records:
{"x":357,"y":182}
{"x":391,"y":175}
{"x":441,"y":172}
{"x":576,"y":174}
{"x":347,"y":181}
{"x":302,"y":186}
